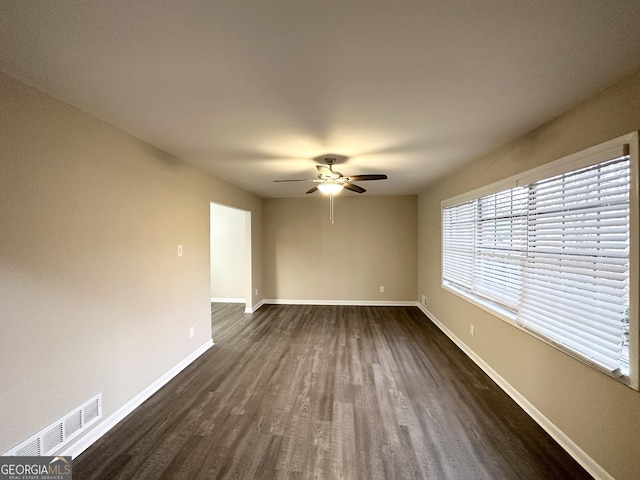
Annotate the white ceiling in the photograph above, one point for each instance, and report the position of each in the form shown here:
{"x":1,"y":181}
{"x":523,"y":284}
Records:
{"x":255,"y":90}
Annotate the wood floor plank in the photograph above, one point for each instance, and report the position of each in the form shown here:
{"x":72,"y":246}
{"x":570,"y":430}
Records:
{"x":328,"y":392}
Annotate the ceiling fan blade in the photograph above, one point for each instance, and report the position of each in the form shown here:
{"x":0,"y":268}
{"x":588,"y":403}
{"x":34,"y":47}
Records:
{"x":372,"y":176}
{"x":324,"y":170}
{"x":311,"y":190}
{"x":353,"y":187}
{"x":305,"y":180}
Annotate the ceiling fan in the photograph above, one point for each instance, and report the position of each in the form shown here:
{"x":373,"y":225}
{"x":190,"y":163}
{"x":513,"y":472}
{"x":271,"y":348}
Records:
{"x":331,"y":181}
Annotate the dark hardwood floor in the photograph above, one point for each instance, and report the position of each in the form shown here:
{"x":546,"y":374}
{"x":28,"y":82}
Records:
{"x":328,"y":392}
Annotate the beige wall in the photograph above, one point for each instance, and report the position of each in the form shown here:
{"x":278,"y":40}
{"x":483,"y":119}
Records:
{"x":229,"y":255}
{"x":601,"y":415}
{"x":372,"y":243}
{"x":93,"y":297}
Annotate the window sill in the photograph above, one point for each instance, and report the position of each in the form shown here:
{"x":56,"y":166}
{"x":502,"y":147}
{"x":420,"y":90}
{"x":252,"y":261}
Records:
{"x":486,"y":305}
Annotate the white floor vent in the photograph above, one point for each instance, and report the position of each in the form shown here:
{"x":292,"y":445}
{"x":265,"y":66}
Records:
{"x":59,"y":433}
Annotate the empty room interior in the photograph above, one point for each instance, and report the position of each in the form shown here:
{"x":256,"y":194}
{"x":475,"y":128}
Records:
{"x":299,"y":239}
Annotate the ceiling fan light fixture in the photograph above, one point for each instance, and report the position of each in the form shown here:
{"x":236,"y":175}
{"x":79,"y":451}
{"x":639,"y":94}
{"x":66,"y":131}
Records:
{"x":330,"y":188}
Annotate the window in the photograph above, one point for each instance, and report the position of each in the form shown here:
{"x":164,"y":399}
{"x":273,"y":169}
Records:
{"x":553,"y":252}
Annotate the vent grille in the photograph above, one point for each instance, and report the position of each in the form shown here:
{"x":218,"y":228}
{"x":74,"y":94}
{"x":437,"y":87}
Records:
{"x":30,"y":449}
{"x":53,"y":437}
{"x":73,"y":423}
{"x":91,"y":410}
{"x":59,"y":433}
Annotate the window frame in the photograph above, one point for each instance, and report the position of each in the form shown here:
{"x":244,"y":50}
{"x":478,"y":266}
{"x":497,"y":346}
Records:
{"x":584,"y":158}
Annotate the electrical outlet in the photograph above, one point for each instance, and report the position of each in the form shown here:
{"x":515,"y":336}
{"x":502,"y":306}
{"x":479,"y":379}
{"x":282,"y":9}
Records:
{"x":191,"y":332}
{"x":381,"y":289}
{"x":472,"y":330}
{"x":256,"y":292}
{"x":425,"y":300}
{"x":179,"y":250}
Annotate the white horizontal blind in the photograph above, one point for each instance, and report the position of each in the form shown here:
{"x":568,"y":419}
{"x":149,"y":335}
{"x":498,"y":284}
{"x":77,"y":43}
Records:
{"x":556,"y":254}
{"x":576,"y":278}
{"x":484,"y":244}
{"x":458,"y":243}
{"x":501,"y":242}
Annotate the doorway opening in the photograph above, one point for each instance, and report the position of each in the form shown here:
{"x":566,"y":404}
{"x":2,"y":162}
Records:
{"x":230,"y":243}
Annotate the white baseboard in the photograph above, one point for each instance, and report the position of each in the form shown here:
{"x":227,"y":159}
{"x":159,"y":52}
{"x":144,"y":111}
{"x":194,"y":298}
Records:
{"x":112,"y":420}
{"x":254,"y":308}
{"x":227,"y":300}
{"x":588,"y":463}
{"x":357,"y":303}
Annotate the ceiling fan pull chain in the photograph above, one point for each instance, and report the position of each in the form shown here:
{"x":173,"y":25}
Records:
{"x":331,"y":208}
